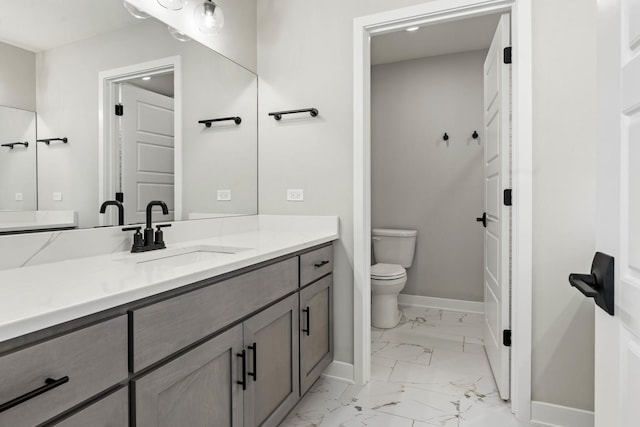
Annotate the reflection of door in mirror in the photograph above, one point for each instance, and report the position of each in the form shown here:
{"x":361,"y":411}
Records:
{"x":146,"y":132}
{"x":17,"y":160}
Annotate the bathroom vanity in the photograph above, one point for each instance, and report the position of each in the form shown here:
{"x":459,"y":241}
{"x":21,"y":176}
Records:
{"x":228,"y":338}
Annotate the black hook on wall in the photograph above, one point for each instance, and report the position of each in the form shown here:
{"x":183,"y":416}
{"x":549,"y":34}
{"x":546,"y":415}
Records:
{"x":475,"y":134}
{"x":445,"y":136}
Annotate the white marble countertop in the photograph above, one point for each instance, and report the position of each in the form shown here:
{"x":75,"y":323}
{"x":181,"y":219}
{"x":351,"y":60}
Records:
{"x":36,"y":297}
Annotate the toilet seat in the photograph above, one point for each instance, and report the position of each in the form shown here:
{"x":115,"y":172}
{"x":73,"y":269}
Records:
{"x":383,"y":271}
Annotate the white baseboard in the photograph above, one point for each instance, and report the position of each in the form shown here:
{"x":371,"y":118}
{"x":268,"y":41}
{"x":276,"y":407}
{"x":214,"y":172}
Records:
{"x":442,"y":303}
{"x":550,"y":415}
{"x":340,"y":371}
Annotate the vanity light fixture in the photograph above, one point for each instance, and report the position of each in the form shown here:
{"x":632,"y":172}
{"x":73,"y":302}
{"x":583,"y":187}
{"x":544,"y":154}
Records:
{"x":412,"y":29}
{"x":134,"y":11}
{"x":178,"y":35}
{"x":172,"y":4}
{"x":208,"y":17}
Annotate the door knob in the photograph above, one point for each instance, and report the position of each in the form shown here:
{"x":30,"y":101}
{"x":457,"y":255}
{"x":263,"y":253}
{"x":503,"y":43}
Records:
{"x":483,"y":219}
{"x":599,"y":284}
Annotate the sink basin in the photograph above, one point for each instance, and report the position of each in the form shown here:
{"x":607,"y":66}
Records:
{"x":183,"y":256}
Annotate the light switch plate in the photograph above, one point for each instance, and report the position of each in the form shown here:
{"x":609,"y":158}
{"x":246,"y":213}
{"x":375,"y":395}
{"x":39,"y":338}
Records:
{"x":57,"y":196}
{"x":295,"y":194}
{"x":19,"y":197}
{"x":224,"y":195}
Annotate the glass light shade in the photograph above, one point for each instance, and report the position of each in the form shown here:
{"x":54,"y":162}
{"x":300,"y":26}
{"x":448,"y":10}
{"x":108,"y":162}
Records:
{"x":134,"y":11}
{"x":172,"y":4}
{"x":178,"y":35}
{"x":209,"y":17}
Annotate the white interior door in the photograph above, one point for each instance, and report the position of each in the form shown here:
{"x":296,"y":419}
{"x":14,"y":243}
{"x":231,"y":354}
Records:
{"x":147,"y":152}
{"x":497,"y":130}
{"x":617,"y":350}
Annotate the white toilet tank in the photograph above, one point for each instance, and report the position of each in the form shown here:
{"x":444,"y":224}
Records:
{"x":394,"y":246}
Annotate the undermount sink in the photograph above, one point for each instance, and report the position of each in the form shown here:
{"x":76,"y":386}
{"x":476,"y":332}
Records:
{"x":183,"y":256}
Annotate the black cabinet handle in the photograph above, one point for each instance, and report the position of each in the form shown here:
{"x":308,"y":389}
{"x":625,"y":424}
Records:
{"x":483,"y":219}
{"x":321,"y":263}
{"x":254,"y":374}
{"x":243,"y":356}
{"x":308,"y":312}
{"x":49,"y":384}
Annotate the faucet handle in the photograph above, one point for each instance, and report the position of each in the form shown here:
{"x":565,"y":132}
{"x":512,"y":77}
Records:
{"x":137,"y":238}
{"x":159,"y":237}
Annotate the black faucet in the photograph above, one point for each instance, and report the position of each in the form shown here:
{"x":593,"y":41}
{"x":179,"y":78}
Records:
{"x":117,"y":204}
{"x":150,"y":241}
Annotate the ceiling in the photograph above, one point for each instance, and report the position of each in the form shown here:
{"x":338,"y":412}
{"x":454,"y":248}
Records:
{"x":38,"y":25}
{"x":435,"y":39}
{"x":158,"y":83}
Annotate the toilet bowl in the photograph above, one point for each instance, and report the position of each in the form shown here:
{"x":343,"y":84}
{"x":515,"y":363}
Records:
{"x":387,"y":280}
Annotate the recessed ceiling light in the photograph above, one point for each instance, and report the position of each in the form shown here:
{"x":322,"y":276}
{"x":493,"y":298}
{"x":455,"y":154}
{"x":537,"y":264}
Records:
{"x":146,"y":78}
{"x":411,"y":29}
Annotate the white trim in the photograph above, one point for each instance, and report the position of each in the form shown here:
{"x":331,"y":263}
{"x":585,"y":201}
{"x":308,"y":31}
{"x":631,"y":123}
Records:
{"x":106,"y":82}
{"x":522,"y":163}
{"x":339,"y":371}
{"x":442,"y":303}
{"x":550,"y":415}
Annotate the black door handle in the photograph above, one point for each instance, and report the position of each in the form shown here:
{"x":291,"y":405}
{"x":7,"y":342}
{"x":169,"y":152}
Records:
{"x":599,"y":284}
{"x":49,"y":384}
{"x":483,"y":219}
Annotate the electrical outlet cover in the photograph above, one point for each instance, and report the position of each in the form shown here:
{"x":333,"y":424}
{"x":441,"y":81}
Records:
{"x":224,"y":195}
{"x":295,"y":194}
{"x":19,"y":197}
{"x":57,"y":196}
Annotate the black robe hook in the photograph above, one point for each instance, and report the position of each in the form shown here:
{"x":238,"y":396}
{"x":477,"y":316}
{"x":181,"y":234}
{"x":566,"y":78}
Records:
{"x":445,"y":137}
{"x":475,"y":134}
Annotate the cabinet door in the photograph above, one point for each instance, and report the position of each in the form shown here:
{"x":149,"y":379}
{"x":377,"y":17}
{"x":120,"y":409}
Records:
{"x":316,"y":334}
{"x":198,"y":389}
{"x":271,"y":340}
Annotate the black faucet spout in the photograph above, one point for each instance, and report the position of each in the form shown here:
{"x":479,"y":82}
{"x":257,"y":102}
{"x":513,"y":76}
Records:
{"x":163,"y":205}
{"x":116,"y":203}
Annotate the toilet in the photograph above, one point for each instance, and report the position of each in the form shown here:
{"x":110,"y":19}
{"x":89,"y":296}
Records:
{"x":393,"y":251}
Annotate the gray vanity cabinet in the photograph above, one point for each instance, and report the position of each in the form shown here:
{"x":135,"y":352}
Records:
{"x":316,"y":345}
{"x":271,"y":340}
{"x":110,"y":411}
{"x":197,"y":389}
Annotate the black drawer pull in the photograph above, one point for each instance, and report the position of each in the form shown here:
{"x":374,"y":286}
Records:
{"x":308,"y":312}
{"x":50,"y":384}
{"x":254,"y":374}
{"x":321,"y":263}
{"x":243,"y":356}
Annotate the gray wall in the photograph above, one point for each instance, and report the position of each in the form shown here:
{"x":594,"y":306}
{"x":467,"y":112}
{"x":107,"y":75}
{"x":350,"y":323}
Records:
{"x":305,"y":58}
{"x":564,"y":184}
{"x":421,"y":182}
{"x":223,"y":157}
{"x":17,"y":77}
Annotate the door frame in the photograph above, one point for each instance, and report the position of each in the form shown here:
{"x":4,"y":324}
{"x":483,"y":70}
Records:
{"x":439,"y":11}
{"x":107,"y":153}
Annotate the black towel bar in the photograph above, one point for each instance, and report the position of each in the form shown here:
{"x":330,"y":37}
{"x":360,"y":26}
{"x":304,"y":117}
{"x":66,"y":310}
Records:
{"x":278,"y":114}
{"x":49,"y":140}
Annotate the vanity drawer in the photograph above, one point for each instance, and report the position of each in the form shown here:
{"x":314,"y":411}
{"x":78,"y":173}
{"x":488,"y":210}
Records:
{"x":161,"y":329}
{"x":315,"y":264}
{"x":110,"y":411}
{"x":93,"y":359}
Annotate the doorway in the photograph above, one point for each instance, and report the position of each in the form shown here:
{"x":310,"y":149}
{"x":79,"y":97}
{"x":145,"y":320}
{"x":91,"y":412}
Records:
{"x":140,"y":143}
{"x":441,"y":12}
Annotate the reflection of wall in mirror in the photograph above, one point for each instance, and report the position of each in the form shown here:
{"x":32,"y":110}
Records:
{"x":67,"y":87}
{"x":18,"y":164}
{"x":17,"y":78}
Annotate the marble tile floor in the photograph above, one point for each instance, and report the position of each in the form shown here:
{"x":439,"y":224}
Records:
{"x":430,"y":370}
